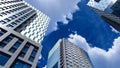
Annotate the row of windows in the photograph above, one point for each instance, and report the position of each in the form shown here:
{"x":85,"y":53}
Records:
{"x":15,"y":46}
{"x":11,"y":6}
{"x":2,"y":32}
{"x":25,"y":49}
{"x":14,"y":16}
{"x":12,"y":10}
{"x":7,"y":40}
{"x":17,"y":64}
{"x":7,"y":2}
{"x":13,"y":24}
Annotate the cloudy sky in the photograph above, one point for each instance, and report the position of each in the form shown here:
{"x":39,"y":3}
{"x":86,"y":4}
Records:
{"x":74,"y":20}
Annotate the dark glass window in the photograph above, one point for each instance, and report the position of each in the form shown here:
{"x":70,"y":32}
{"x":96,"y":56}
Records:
{"x":14,"y":48}
{"x":20,"y":64}
{"x":2,"y":44}
{"x":2,"y":32}
{"x":22,"y":54}
{"x":34,"y":53}
{"x":31,"y":58}
{"x":24,"y":50}
{"x":2,"y":22}
{"x":8,"y":39}
{"x":3,"y":58}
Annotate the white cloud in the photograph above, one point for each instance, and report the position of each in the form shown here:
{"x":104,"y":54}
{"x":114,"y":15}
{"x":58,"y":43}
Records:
{"x":99,"y":57}
{"x":58,"y":10}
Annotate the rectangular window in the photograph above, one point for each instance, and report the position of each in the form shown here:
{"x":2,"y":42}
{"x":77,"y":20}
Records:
{"x":5,"y":41}
{"x":33,"y":54}
{"x":3,"y":58}
{"x":2,"y":32}
{"x":24,"y":50}
{"x":20,"y":64}
{"x":15,"y":46}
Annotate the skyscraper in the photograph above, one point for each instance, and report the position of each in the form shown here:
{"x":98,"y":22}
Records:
{"x":67,"y":55}
{"x":111,"y":19}
{"x":22,"y":28}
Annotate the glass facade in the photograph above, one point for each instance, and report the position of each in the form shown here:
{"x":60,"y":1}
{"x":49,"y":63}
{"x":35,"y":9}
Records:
{"x":68,"y":56}
{"x":3,"y":58}
{"x":20,"y":64}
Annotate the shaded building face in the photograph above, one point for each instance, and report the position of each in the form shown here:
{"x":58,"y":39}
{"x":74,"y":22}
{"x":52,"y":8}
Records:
{"x":22,"y":28}
{"x":116,"y":8}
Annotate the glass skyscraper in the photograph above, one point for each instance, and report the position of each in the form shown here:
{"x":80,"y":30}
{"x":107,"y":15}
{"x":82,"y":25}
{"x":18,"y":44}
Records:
{"x":65,"y":54}
{"x":22,"y":28}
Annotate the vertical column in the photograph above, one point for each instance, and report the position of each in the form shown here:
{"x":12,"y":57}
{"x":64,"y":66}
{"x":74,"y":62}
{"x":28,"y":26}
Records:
{"x":36,"y":57}
{"x":14,"y":56}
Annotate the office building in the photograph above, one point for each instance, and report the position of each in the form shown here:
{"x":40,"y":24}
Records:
{"x":111,"y":19}
{"x":22,"y":28}
{"x":116,"y":8}
{"x":67,"y":55}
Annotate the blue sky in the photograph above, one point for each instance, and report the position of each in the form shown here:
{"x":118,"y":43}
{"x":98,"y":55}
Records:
{"x":74,"y":20}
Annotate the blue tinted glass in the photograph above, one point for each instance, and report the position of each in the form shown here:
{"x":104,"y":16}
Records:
{"x":1,"y":33}
{"x":3,"y":59}
{"x":8,"y":39}
{"x":33,"y":53}
{"x":12,"y":50}
{"x":22,"y":54}
{"x":25,"y":48}
{"x":31,"y":58}
{"x":17,"y":44}
{"x":2,"y":44}
{"x":20,"y":64}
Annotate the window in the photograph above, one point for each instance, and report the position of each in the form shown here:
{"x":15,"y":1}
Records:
{"x":10,"y":26}
{"x":24,"y":50}
{"x":33,"y":54}
{"x":2,"y":22}
{"x":20,"y":64}
{"x":2,"y":32}
{"x":8,"y":39}
{"x":31,"y":58}
{"x":3,"y":58}
{"x":15,"y":47}
{"x":2,"y":45}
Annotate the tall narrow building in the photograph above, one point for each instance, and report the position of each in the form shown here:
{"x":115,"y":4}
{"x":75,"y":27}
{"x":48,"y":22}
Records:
{"x":67,"y":55}
{"x":111,"y":19}
{"x":22,"y":28}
